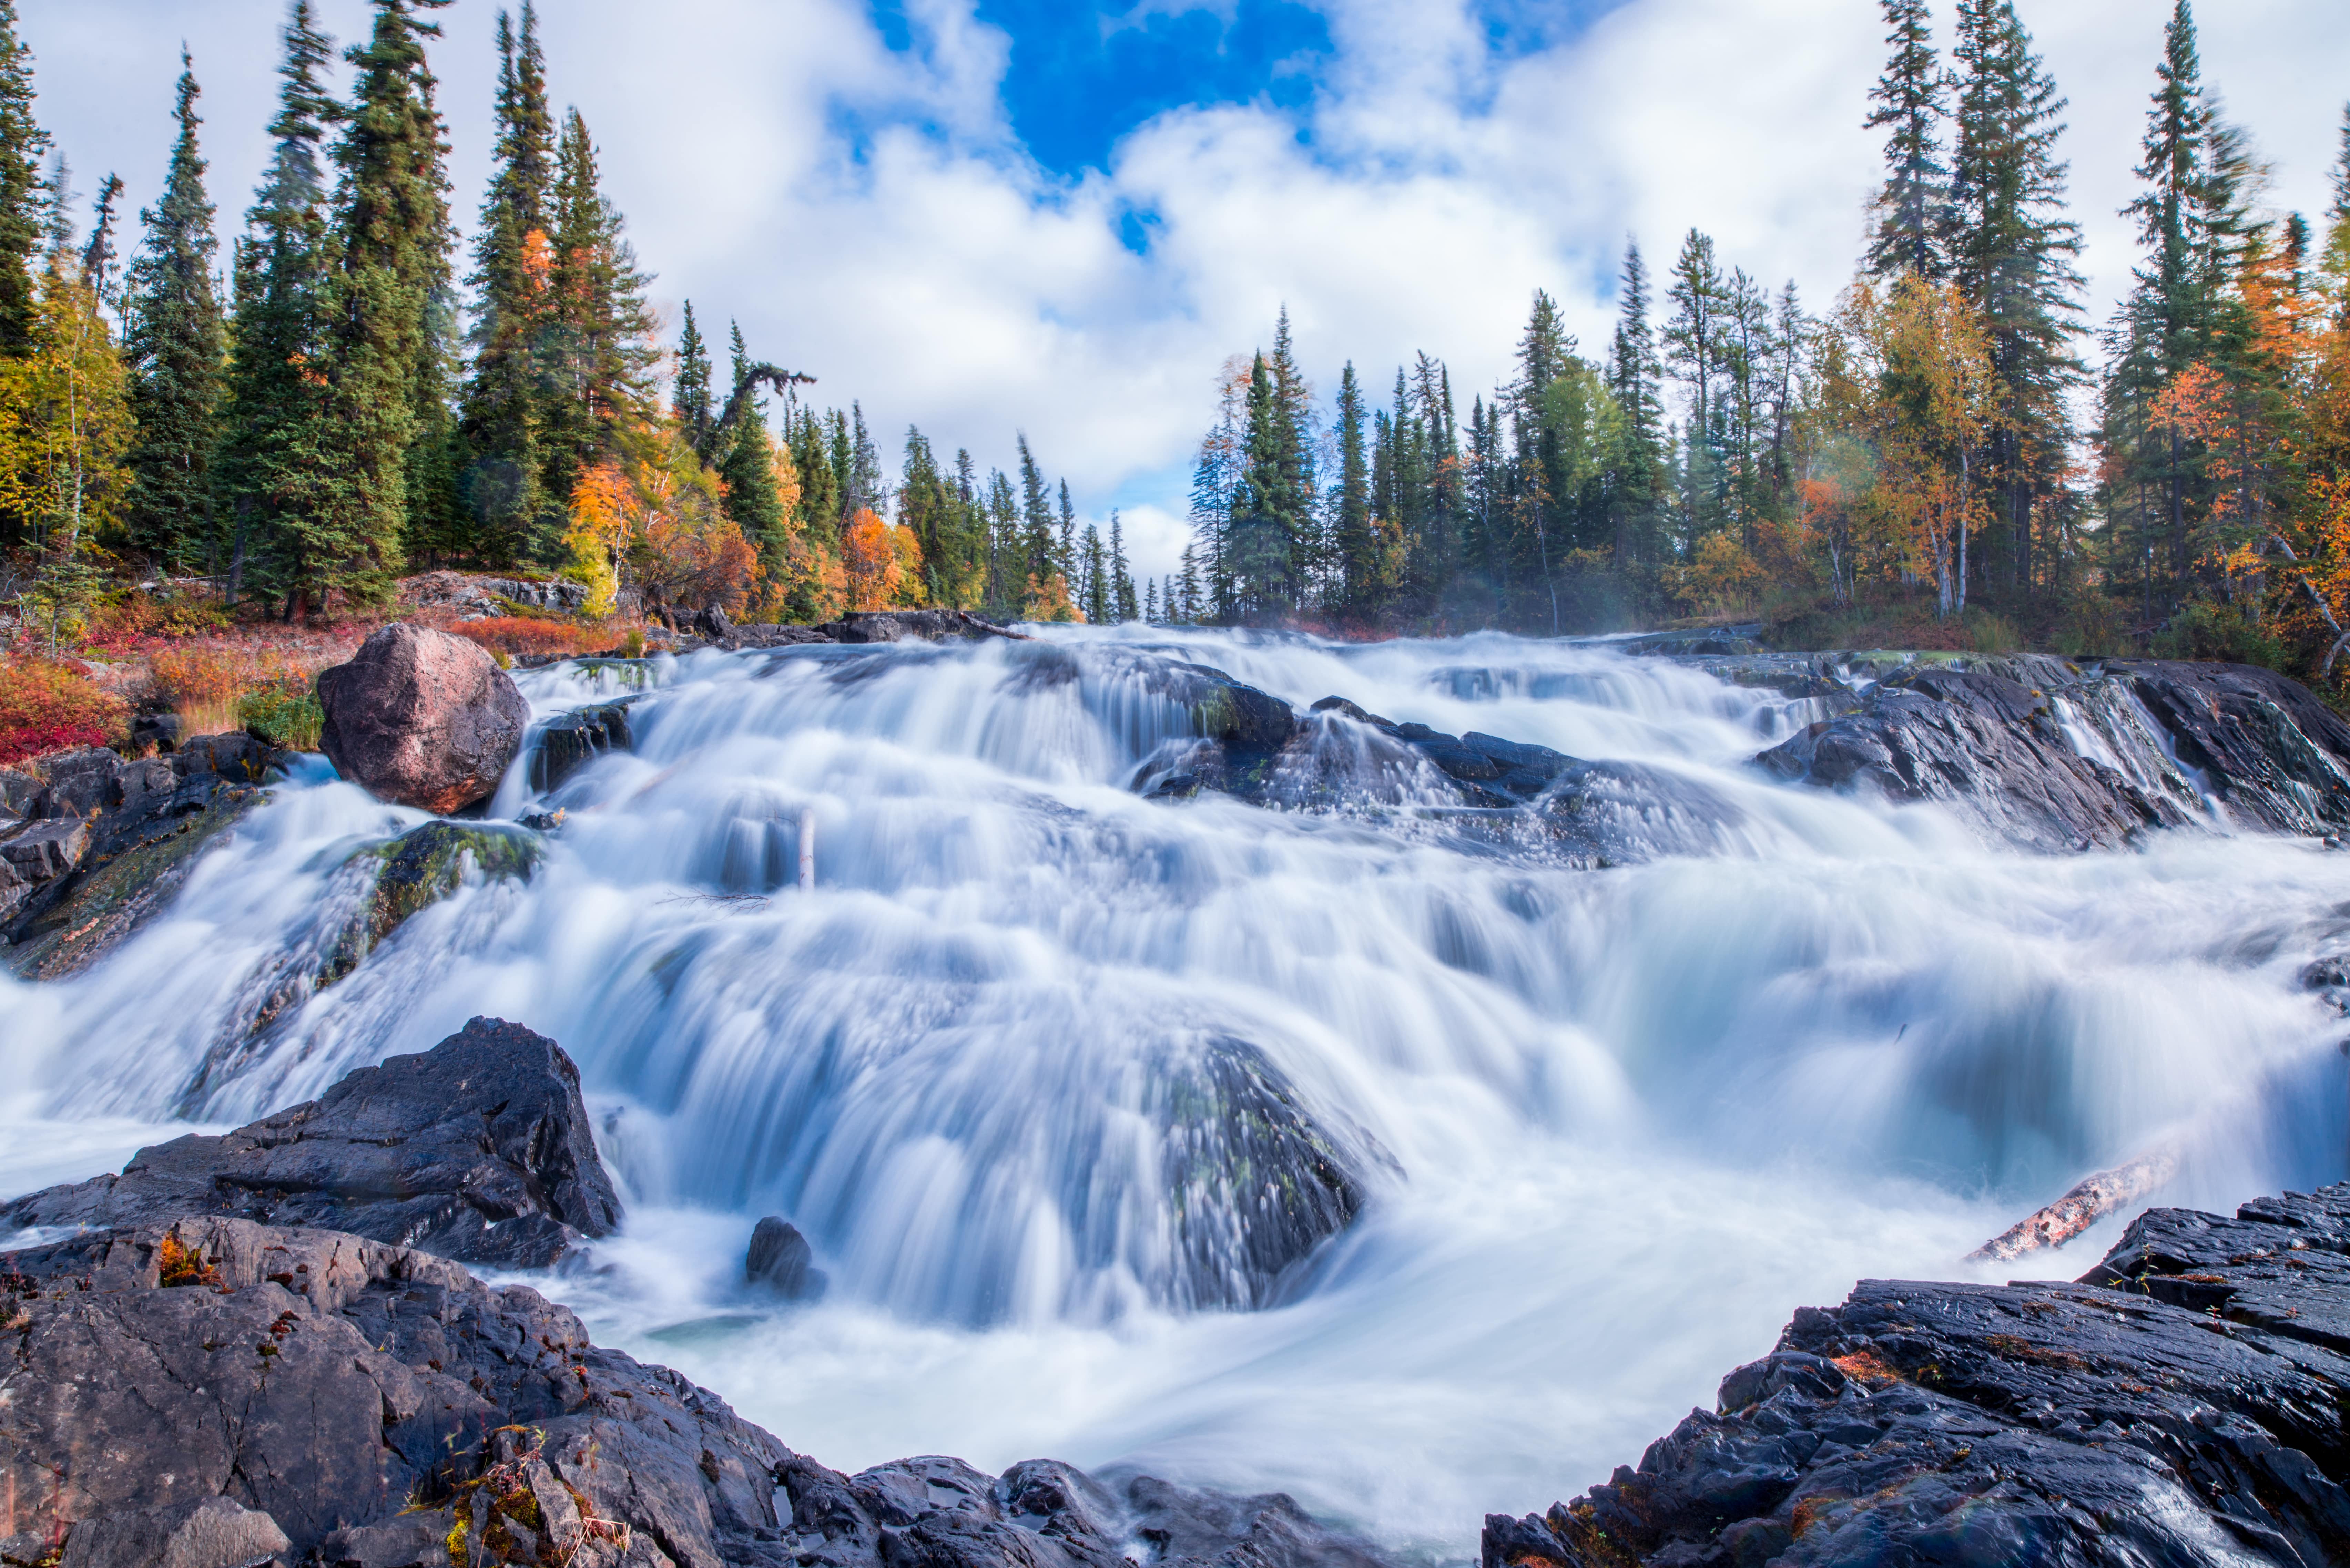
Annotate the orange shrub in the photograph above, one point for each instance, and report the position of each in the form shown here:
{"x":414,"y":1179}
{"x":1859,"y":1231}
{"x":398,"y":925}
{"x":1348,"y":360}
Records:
{"x":47,"y":707}
{"x":521,"y":634}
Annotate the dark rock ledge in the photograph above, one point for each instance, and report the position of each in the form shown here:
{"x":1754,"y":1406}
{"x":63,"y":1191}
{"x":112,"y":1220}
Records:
{"x":2187,"y":1401}
{"x":182,"y":1385}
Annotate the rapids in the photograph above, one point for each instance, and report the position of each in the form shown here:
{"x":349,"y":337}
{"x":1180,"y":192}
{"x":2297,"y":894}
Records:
{"x":1614,"y":1124}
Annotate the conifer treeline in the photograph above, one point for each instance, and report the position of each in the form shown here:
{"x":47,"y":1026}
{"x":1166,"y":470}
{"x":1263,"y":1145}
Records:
{"x":350,"y":411}
{"x":1916,"y":446}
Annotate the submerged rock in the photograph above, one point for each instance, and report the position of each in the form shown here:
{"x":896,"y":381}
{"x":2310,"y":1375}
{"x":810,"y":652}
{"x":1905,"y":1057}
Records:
{"x":1254,"y":1182}
{"x":571,"y":741}
{"x":479,"y":1150}
{"x":781,"y":1261}
{"x":422,"y":718}
{"x":420,"y":869}
{"x":2180,"y":1404}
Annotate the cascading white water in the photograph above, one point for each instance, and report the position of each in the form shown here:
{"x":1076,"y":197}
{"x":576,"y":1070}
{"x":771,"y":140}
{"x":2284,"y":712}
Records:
{"x":1613,"y":1125}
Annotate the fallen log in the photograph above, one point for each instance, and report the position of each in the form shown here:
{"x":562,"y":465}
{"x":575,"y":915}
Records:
{"x":2090,"y":1200}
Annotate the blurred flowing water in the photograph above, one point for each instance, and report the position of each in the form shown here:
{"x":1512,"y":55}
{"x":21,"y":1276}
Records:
{"x":1615,"y":1125}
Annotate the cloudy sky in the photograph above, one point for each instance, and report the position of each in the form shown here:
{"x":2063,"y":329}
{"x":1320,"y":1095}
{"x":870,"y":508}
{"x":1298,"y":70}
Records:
{"x":1058,"y":216}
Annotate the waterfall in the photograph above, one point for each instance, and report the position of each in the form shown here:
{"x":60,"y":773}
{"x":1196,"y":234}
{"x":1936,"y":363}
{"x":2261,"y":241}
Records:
{"x":1068,"y":1085}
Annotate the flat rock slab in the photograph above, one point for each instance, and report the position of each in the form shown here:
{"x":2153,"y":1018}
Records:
{"x":2181,"y":1403}
{"x":479,"y":1150}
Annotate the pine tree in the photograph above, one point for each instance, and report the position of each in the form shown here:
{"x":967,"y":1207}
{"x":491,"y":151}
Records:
{"x":97,"y":255}
{"x":1037,"y":550}
{"x":690,"y":394}
{"x":390,"y":219}
{"x":503,"y":411}
{"x":1093,"y":570}
{"x":1636,"y":377}
{"x":23,"y":210}
{"x":600,"y":350}
{"x":2013,"y":258}
{"x":1692,"y":347}
{"x":1123,"y":604}
{"x":1066,"y":550}
{"x":269,"y":470}
{"x":1350,"y":528}
{"x":1266,"y":506}
{"x":175,"y":346}
{"x":1912,"y":217}
{"x":432,"y":528}
{"x":748,"y":467}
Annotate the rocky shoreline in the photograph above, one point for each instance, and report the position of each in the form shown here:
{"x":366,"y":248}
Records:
{"x":2182,"y":1403}
{"x":258,"y":1348}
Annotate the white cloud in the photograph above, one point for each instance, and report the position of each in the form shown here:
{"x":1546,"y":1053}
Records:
{"x":870,"y":216}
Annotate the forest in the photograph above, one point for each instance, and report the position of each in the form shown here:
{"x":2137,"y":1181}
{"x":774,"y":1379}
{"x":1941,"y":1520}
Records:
{"x":1950,"y":456}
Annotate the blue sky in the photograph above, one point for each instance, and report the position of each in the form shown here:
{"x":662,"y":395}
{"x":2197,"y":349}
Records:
{"x":985,"y":216}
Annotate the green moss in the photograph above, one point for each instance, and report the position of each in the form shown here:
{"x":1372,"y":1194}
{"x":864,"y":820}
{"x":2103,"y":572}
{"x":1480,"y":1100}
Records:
{"x":420,"y":869}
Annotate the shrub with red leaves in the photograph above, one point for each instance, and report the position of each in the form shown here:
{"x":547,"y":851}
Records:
{"x":50,"y":707}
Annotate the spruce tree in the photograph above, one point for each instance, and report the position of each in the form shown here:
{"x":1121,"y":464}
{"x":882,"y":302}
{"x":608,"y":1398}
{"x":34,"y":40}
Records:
{"x":1067,"y":548}
{"x":1037,"y":548}
{"x":97,"y":255}
{"x":1351,"y":527}
{"x":174,"y":346}
{"x":1692,"y":347}
{"x":270,"y":470}
{"x":2012,"y":257}
{"x":429,"y":478}
{"x":1636,"y":378}
{"x":1267,"y":506}
{"x":503,"y":412}
{"x":391,"y":218}
{"x":23,"y":208}
{"x":690,"y":394}
{"x":1911,"y":211}
{"x":598,"y":349}
{"x":748,"y":467}
{"x":1094,"y":569}
{"x":1123,"y":604}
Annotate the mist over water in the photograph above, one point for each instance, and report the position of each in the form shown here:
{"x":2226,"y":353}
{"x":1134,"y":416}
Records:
{"x":1614,"y":1124}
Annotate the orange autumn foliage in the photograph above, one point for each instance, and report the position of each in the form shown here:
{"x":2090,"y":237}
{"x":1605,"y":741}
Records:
{"x":869,"y":559}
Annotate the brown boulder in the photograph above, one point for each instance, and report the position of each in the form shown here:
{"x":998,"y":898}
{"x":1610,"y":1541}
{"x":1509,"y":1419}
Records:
{"x":422,"y":718}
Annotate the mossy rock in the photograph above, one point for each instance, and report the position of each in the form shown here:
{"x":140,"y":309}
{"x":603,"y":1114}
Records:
{"x":420,"y":869}
{"x":113,"y":897}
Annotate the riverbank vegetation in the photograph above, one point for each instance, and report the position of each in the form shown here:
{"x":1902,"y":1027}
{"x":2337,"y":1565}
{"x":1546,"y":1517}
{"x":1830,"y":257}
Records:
{"x":201,"y":441}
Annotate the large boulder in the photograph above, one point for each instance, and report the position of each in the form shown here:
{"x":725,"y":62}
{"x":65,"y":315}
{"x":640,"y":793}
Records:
{"x":2182,"y":1403}
{"x":478,"y":1149}
{"x":422,"y":718}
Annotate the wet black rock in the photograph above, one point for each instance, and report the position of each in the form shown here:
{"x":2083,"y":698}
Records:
{"x":939,"y":1513}
{"x":2046,"y":755}
{"x":2181,"y":1403}
{"x":142,"y":823}
{"x":366,"y":1403}
{"x":781,"y":1262}
{"x":1983,"y":745}
{"x":479,"y":1150}
{"x":905,"y":625}
{"x":571,"y":741}
{"x":1255,"y":1181}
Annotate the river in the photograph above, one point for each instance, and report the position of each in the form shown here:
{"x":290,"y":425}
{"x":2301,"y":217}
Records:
{"x":1614,"y":1124}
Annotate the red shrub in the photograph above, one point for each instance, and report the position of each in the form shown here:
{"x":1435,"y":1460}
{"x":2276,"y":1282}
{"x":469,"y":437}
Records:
{"x":47,"y":707}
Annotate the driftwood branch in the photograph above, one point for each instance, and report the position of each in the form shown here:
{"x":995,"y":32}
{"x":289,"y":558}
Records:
{"x":2093,"y":1199}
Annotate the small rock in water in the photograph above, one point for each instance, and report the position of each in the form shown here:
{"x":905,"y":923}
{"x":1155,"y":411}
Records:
{"x":781,"y":1261}
{"x":422,"y":718}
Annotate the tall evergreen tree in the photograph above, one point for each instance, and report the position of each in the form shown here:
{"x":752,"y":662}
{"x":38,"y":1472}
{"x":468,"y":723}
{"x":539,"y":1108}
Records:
{"x":1121,"y":578}
{"x":175,"y":347}
{"x":597,"y":345}
{"x":1912,"y":216}
{"x":23,"y":209}
{"x":2012,"y":257}
{"x":690,"y":393}
{"x":1267,"y":505}
{"x":1351,"y":524}
{"x":1693,"y":347}
{"x":269,"y":470}
{"x":390,"y":220}
{"x":503,"y":411}
{"x":748,"y":467}
{"x":97,"y":255}
{"x":1636,"y":378}
{"x":1037,"y":548}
